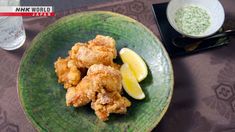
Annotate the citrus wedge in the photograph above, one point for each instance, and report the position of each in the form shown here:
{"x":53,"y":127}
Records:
{"x":135,"y":62}
{"x":130,"y":83}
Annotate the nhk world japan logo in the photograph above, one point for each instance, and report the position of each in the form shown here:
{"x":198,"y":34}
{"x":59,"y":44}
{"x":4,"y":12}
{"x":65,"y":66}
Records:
{"x":27,"y":11}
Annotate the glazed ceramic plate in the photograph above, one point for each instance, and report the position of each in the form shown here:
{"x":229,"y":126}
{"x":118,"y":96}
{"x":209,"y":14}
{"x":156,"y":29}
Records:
{"x":43,"y":99}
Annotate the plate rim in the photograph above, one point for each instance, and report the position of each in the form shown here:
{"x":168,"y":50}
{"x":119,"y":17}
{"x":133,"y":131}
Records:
{"x":32,"y":44}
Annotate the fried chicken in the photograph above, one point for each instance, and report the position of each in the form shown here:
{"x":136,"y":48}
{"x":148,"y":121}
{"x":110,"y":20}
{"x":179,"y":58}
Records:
{"x":102,"y":82}
{"x":108,"y":77}
{"x":109,"y":102}
{"x":67,"y":72}
{"x":103,"y":43}
{"x":82,"y":93}
{"x":100,"y":50}
{"x":98,"y":77}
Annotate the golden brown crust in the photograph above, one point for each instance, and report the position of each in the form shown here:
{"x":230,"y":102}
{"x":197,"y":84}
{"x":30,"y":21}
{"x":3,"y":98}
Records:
{"x":102,"y":87}
{"x":68,"y":74}
{"x":90,"y":75}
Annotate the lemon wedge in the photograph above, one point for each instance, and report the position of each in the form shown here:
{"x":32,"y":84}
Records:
{"x":135,"y":62}
{"x":130,"y":83}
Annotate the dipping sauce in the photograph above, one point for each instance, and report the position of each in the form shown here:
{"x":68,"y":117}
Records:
{"x":192,"y":20}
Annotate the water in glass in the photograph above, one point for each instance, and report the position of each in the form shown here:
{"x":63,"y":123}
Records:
{"x":12,"y":33}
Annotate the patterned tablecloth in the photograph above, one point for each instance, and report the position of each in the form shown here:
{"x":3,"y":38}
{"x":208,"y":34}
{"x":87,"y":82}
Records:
{"x":204,"y":92}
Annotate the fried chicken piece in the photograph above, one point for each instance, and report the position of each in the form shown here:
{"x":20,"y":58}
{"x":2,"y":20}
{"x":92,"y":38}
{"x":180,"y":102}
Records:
{"x":73,"y":53}
{"x":67,"y":72}
{"x":107,"y":77}
{"x":61,"y":69}
{"x":102,"y":86}
{"x":98,"y":77}
{"x":100,"y":50}
{"x":82,"y":93}
{"x":103,"y":43}
{"x":107,"y":103}
{"x":87,"y":57}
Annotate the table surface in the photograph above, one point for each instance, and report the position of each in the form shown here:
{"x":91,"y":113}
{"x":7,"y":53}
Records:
{"x":204,"y":91}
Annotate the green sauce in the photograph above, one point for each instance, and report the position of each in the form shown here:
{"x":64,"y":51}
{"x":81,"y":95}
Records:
{"x":192,"y":20}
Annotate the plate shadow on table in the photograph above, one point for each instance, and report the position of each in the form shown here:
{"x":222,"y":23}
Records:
{"x":178,"y":116}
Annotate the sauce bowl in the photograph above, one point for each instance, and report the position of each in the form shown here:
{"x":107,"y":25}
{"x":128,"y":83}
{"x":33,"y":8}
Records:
{"x":213,"y":7}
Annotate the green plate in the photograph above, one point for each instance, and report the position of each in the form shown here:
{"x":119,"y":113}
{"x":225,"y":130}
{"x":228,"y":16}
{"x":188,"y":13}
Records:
{"x":43,"y":99}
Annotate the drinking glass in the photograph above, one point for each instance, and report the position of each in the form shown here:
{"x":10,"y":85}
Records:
{"x":12,"y":32}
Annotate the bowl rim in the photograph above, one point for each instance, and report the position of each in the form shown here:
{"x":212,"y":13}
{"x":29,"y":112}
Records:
{"x":171,"y":74}
{"x":195,"y":36}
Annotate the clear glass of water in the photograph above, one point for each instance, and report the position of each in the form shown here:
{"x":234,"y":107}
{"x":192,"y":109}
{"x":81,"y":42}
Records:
{"x":12,"y":32}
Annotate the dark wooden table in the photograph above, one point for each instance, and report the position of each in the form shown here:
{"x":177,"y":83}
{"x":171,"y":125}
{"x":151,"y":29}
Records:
{"x":204,"y":92}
